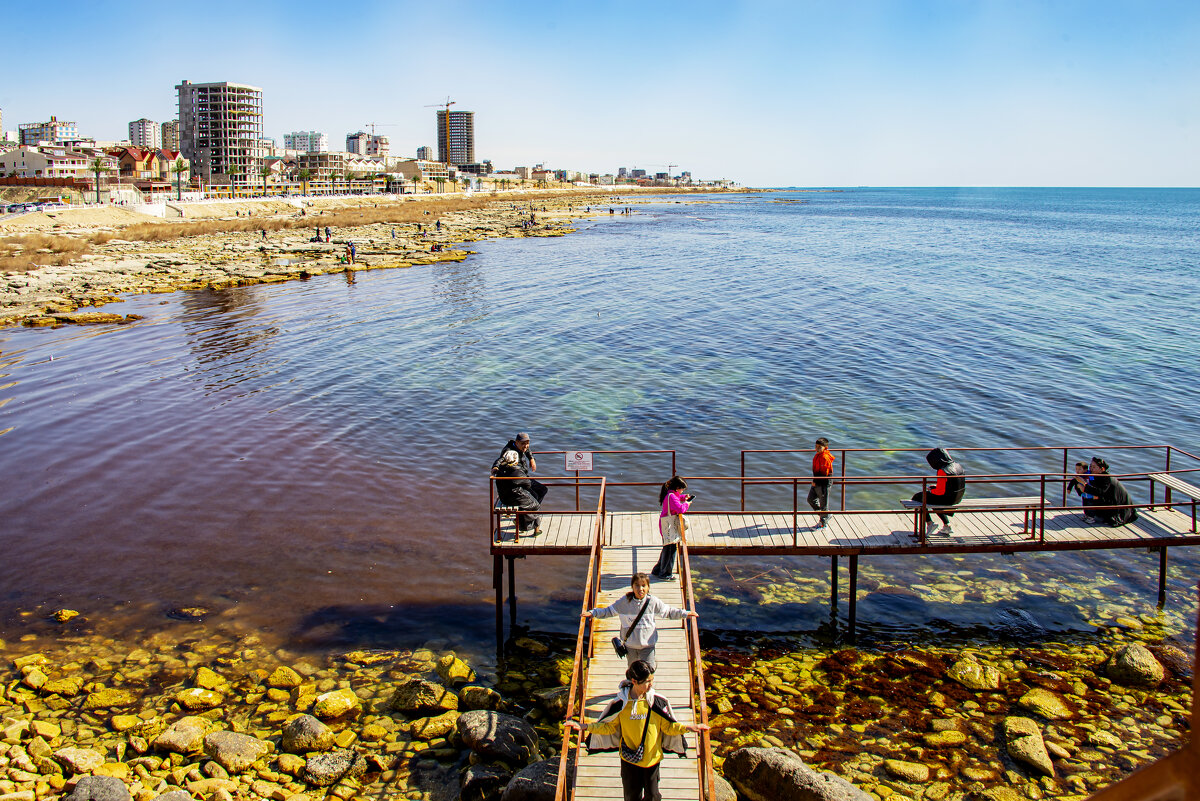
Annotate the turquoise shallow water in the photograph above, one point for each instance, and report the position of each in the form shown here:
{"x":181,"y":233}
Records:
{"x":310,"y":455}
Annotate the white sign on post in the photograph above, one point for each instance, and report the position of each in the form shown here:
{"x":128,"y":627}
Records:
{"x":579,"y":460}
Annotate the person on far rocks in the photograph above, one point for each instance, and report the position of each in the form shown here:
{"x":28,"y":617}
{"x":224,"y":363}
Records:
{"x":327,"y":233}
{"x":639,"y":611}
{"x":520,"y":444}
{"x":949,"y":490}
{"x":641,"y":725}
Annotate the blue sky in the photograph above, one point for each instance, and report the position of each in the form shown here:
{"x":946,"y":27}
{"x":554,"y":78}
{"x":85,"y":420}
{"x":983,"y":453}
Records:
{"x":767,"y":93}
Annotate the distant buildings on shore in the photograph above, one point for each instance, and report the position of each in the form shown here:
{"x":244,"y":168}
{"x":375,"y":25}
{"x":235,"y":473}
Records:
{"x":217,"y":144}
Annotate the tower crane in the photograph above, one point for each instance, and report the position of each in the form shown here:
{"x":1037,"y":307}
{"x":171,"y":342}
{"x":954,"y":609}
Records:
{"x":373,"y":125}
{"x":445,"y":143}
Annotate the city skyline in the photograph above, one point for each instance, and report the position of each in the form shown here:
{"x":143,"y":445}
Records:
{"x":765,"y":93}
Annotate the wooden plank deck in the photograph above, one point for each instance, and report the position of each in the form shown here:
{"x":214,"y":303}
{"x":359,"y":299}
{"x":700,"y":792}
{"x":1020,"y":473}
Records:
{"x":635,"y":549}
{"x":859,"y":533}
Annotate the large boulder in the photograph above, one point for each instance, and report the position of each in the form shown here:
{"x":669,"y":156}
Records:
{"x":483,"y":783}
{"x":535,"y":782}
{"x":324,"y":770}
{"x":420,"y":697}
{"x":235,"y":752}
{"x":1134,"y":664}
{"x":494,"y":735}
{"x":776,"y":774}
{"x":99,"y":788}
{"x":1023,"y":740}
{"x":304,"y":733}
{"x":184,"y":736}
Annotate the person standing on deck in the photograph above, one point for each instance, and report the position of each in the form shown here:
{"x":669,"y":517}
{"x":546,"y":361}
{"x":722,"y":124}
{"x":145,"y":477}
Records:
{"x":818,"y":495}
{"x":641,"y":725}
{"x":949,"y":490}
{"x":520,"y":444}
{"x":672,"y":524}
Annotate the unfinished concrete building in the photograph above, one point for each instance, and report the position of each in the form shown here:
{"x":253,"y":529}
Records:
{"x":221,"y":130}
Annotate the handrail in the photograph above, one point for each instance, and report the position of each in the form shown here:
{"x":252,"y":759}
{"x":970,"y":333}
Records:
{"x":696,"y":677}
{"x":575,"y":695}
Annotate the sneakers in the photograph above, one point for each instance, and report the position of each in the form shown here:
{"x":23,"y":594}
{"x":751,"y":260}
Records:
{"x":1091,"y":521}
{"x":930,"y":528}
{"x":822,"y":523}
{"x":948,"y":530}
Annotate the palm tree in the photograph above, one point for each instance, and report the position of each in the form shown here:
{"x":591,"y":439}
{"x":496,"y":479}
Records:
{"x":233,"y":171}
{"x":99,"y":166}
{"x":264,"y":172}
{"x":304,"y":176}
{"x":441,"y":184}
{"x":179,"y":168}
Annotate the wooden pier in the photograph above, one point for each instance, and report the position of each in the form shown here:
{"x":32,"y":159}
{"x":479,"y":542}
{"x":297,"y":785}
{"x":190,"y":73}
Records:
{"x":619,"y":543}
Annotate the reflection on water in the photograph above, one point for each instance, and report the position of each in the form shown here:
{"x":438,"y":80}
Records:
{"x":228,"y":341}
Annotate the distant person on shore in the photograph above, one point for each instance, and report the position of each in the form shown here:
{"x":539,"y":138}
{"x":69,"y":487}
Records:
{"x":949,"y":490}
{"x":515,"y":490}
{"x":327,"y":233}
{"x":822,"y":468}
{"x":641,"y":725}
{"x":672,"y":525}
{"x":639,"y":610}
{"x":520,"y":444}
{"x":1107,"y":491}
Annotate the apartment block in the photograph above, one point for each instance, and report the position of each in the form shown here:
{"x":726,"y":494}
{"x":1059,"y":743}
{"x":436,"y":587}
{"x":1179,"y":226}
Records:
{"x":424,"y":153}
{"x":220,"y":130}
{"x":306,"y":142}
{"x":365,"y":144}
{"x":146,"y":134}
{"x":456,"y":136}
{"x":170,"y":135}
{"x":54,"y":132}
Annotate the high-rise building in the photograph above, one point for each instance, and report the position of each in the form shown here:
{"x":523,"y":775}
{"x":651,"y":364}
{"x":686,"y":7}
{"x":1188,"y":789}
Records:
{"x":220,"y":129}
{"x":145,"y":133}
{"x":456,"y":136}
{"x":365,"y":144}
{"x":424,"y":153}
{"x":306,"y":141}
{"x":55,"y":132}
{"x":170,"y":135}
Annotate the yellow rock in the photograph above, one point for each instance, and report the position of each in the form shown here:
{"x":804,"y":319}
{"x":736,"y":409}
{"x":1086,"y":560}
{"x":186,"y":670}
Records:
{"x":118,"y":770}
{"x":284,"y":678}
{"x":209,"y":679}
{"x":63,"y":615}
{"x":124,"y":722}
{"x":345,"y":738}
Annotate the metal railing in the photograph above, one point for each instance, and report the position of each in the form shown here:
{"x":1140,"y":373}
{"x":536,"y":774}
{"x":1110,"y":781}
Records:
{"x":498,"y":511}
{"x":584,"y":648}
{"x":696,"y":677}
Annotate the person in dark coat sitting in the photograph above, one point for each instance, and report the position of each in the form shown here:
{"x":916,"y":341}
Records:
{"x":520,"y":444}
{"x":1107,"y":491}
{"x":514,"y":490}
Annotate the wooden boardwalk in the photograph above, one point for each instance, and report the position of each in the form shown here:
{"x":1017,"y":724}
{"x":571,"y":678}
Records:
{"x":635,"y":547}
{"x":855,"y":534}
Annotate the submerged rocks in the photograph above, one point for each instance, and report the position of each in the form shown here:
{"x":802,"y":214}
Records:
{"x":337,"y":704}
{"x":184,"y":736}
{"x":535,"y":782}
{"x":235,"y":752}
{"x":1134,"y":665}
{"x":913,"y":772}
{"x":418,"y":696}
{"x":1046,"y":703}
{"x":1023,"y":740}
{"x":79,"y":760}
{"x":483,"y":782}
{"x":776,"y":774}
{"x":494,"y":735}
{"x":324,"y":770}
{"x":472,"y":697}
{"x":304,"y":733}
{"x":973,"y":675}
{"x":198,"y":698}
{"x":99,"y":788}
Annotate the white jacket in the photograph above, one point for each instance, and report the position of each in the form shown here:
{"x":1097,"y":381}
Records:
{"x":646,"y":633}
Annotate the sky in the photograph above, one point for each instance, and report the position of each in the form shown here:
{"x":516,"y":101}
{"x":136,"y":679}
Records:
{"x":849,"y":93}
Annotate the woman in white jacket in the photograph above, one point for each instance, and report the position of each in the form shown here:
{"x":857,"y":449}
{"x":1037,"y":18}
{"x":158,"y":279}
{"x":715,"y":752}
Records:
{"x":642,"y":639}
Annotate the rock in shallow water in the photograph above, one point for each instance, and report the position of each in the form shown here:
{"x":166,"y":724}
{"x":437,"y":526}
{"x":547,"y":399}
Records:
{"x":336,"y":704}
{"x":775,"y":774}
{"x":1135,"y":665}
{"x":235,"y":752}
{"x":99,"y":788}
{"x":494,"y":735}
{"x":305,"y":733}
{"x":533,"y":783}
{"x":417,"y":696}
{"x":1025,"y":745}
{"x":1046,"y":703}
{"x":183,"y":736}
{"x":973,"y":675}
{"x":324,"y":770}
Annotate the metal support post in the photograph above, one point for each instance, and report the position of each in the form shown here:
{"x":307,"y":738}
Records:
{"x":498,"y":585}
{"x":512,"y":593}
{"x":1162,"y":577}
{"x":833,"y":580}
{"x":853,"y":592}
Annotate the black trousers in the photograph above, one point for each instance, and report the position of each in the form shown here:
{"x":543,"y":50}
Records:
{"x":935,"y":500}
{"x":538,"y":489}
{"x":640,"y":784}
{"x":818,"y":497}
{"x":665,"y":566}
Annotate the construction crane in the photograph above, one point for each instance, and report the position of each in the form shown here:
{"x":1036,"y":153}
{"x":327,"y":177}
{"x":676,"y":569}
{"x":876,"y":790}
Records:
{"x":669,"y":166}
{"x":445,"y":143}
{"x":373,"y":125}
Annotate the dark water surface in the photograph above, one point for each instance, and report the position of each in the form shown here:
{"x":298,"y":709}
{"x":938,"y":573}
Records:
{"x":310,"y":457}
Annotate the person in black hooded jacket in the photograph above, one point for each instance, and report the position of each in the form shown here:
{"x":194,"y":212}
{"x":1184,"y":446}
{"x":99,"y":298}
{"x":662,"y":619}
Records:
{"x":1107,"y":491}
{"x":949,"y":490}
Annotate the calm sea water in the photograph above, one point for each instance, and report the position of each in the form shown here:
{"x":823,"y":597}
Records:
{"x":310,"y":457}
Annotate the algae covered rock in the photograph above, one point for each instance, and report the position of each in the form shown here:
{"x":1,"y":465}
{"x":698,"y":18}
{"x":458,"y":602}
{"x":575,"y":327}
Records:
{"x":304,"y":733}
{"x":494,"y":735}
{"x":324,"y":770}
{"x":284,"y":678}
{"x":198,"y":698}
{"x":973,"y":675}
{"x":433,"y":727}
{"x":336,"y":704}
{"x":776,"y":774}
{"x":944,"y":739}
{"x":474,"y":697}
{"x":108,"y":697}
{"x":1046,"y":703}
{"x":184,"y":736}
{"x":417,"y":696}
{"x":235,"y":752}
{"x":1024,"y":742}
{"x":1134,"y":665}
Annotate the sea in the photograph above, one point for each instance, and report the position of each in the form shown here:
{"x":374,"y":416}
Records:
{"x":311,"y":458}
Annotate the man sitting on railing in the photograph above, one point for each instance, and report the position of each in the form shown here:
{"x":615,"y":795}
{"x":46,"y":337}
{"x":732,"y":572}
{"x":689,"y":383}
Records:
{"x":1107,"y":491}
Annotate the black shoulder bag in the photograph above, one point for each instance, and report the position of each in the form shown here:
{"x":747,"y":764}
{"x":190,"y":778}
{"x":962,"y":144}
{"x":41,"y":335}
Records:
{"x":619,"y":642}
